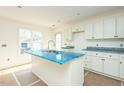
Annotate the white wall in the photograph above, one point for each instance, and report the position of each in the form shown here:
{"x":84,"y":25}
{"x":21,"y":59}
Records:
{"x":9,"y":35}
{"x":101,"y":43}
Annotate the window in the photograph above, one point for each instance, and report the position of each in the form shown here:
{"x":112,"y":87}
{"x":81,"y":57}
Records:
{"x":58,"y":41}
{"x":36,"y":41}
{"x":30,"y":40}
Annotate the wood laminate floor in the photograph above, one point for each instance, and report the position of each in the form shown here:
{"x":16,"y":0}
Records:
{"x":23,"y":76}
{"x":20,"y":76}
{"x":93,"y":79}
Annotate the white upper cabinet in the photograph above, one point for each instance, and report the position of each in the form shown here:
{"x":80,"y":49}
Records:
{"x":64,"y":35}
{"x":70,"y":35}
{"x":78,"y":28}
{"x":110,"y":27}
{"x":98,"y":29}
{"x":120,"y":26}
{"x":89,"y":31}
{"x":94,"y":30}
{"x":67,"y":34}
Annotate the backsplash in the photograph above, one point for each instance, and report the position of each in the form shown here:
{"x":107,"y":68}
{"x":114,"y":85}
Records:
{"x":106,"y":49}
{"x":119,"y":43}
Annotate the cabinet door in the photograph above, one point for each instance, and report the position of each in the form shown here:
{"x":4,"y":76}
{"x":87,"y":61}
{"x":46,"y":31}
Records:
{"x":69,"y":35}
{"x":111,"y":67}
{"x":110,"y":27}
{"x":88,"y":62}
{"x":65,"y":35}
{"x":122,"y":67}
{"x":89,"y":31}
{"x":120,"y":26}
{"x":97,"y":64}
{"x":98,"y":29}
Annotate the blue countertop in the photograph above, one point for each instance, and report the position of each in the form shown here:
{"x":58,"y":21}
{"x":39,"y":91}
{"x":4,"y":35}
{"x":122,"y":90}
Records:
{"x":105,"y":49}
{"x":59,"y":57}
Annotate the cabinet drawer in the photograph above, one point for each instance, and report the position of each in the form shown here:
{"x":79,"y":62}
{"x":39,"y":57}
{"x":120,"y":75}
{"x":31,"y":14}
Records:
{"x":97,"y":54}
{"x":111,"y":56}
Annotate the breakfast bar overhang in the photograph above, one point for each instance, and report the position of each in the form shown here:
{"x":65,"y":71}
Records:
{"x":58,"y":68}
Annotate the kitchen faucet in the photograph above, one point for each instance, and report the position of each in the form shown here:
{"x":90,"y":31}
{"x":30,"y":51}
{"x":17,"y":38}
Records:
{"x":50,"y":41}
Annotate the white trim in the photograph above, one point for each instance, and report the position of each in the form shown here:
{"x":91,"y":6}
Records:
{"x":17,"y":81}
{"x":34,"y":82}
{"x":86,"y":74}
{"x":104,"y":74}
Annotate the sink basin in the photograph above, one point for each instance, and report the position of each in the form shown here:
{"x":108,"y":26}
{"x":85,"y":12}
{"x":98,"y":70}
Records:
{"x":52,"y":51}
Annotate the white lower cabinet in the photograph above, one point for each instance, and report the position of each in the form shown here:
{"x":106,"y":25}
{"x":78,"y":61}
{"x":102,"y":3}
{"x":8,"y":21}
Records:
{"x":122,"y":69}
{"x":122,"y":66}
{"x":88,"y":62}
{"x":111,"y":67}
{"x":106,"y":63}
{"x":97,"y":64}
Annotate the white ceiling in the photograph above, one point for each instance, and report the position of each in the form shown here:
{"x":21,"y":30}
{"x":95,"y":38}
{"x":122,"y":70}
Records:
{"x":48,"y":16}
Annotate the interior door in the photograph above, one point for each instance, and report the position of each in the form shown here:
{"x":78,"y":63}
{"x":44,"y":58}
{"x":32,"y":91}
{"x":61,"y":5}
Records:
{"x":79,"y":40}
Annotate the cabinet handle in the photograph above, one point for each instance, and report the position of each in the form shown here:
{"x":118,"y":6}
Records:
{"x":110,"y":55}
{"x":115,"y":36}
{"x":103,"y":59}
{"x":120,"y":62}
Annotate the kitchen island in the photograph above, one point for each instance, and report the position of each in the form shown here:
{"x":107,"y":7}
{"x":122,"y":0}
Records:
{"x":58,"y":68}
